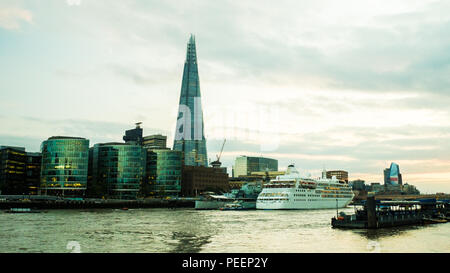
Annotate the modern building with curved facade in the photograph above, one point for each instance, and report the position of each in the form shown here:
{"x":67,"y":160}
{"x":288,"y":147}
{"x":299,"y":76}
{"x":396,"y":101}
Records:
{"x":64,"y":166}
{"x":163,"y":172}
{"x":118,"y":168}
{"x":392,"y":175}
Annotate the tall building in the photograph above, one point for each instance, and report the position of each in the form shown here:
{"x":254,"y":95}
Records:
{"x":245,"y":165}
{"x":134,"y":135}
{"x":117,"y":170}
{"x":163,"y":173}
{"x":392,"y":175}
{"x":340,"y":175}
{"x":64,"y":166}
{"x":155,"y":142}
{"x":189,"y":132}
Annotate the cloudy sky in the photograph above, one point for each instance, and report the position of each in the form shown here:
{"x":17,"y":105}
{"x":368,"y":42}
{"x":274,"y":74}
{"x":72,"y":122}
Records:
{"x":351,"y":85}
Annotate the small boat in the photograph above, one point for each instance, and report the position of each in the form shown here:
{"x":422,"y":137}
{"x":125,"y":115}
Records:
{"x":233,"y":206}
{"x":124,"y":208}
{"x":22,"y":210}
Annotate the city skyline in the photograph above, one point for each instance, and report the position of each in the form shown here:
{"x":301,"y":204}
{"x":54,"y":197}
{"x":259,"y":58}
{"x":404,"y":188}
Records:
{"x":327,"y":86}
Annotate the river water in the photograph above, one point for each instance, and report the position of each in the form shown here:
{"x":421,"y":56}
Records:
{"x":189,"y":230}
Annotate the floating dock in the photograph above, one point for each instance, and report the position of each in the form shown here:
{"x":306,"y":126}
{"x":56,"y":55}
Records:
{"x":382,"y":213}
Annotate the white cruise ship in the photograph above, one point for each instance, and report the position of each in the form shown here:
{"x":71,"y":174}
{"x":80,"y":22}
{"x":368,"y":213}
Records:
{"x":293,"y":191}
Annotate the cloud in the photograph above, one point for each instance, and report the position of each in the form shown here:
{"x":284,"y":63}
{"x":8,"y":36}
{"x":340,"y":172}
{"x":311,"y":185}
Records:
{"x":351,"y":86}
{"x":11,"y":17}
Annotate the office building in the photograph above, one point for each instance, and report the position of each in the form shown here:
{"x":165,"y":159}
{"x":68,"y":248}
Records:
{"x":12,"y":170}
{"x":155,"y":142}
{"x":409,"y":189}
{"x":33,"y":172}
{"x":163,"y":173}
{"x":245,"y":165}
{"x":189,"y":132}
{"x":358,"y":185}
{"x":64,"y":166}
{"x":198,"y":179}
{"x":376,"y":188}
{"x":392,"y":175}
{"x":118,"y":169}
{"x":134,"y":136}
{"x":339,"y":174}
{"x":20,"y":171}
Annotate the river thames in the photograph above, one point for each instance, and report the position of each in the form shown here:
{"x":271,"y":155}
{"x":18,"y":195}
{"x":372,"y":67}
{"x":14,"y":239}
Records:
{"x":213,"y":231}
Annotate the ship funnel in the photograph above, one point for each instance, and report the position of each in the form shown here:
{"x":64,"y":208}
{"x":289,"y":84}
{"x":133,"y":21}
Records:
{"x":291,"y":169}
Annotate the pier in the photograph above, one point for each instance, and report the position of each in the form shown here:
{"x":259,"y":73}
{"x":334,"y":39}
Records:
{"x":389,"y":213}
{"x":50,"y":202}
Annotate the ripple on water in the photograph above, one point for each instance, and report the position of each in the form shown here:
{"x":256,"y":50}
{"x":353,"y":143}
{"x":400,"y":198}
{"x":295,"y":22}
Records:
{"x":188,"y":230}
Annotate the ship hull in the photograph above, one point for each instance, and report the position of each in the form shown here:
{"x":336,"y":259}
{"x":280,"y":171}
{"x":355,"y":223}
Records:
{"x":303,"y":205}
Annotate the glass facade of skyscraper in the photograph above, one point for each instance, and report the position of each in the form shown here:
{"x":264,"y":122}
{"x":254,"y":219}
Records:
{"x":392,"y":176}
{"x":64,"y":166}
{"x":118,"y":168}
{"x":163,"y":172}
{"x":189,"y":133}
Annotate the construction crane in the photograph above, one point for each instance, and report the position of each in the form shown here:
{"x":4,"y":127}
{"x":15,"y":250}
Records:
{"x":217,"y":163}
{"x":221,"y":150}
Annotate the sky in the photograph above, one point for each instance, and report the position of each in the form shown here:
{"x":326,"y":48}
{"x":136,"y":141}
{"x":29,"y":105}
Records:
{"x":352,"y":85}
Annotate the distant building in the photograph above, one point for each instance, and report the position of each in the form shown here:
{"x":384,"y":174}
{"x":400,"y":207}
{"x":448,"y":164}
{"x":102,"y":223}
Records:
{"x":12,"y":170}
{"x":198,"y":179}
{"x":376,"y":188}
{"x":238,"y":182}
{"x":245,"y":165}
{"x":155,"y":142}
{"x":118,"y":169}
{"x":410,"y":189}
{"x":33,"y":172}
{"x":393,"y":189}
{"x":134,"y":135}
{"x":386,"y":173}
{"x":64,"y":166}
{"x":358,"y":185}
{"x":20,"y":171}
{"x":163,"y":173}
{"x":392,"y":175}
{"x":339,"y":174}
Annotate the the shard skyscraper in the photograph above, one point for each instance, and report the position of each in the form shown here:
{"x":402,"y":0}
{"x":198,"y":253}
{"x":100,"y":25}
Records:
{"x":189,"y":133}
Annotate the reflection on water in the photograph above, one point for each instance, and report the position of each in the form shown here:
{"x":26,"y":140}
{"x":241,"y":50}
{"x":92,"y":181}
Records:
{"x":188,"y":242}
{"x":188,"y":230}
{"x":376,"y":234}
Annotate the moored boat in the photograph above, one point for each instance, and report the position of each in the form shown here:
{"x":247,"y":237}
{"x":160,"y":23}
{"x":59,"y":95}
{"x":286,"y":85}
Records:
{"x":22,"y":210}
{"x":294,"y":191}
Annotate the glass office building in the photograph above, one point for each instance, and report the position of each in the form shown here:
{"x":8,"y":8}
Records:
{"x":12,"y":170}
{"x":245,"y":165}
{"x":118,"y":168}
{"x":189,"y":133}
{"x":33,"y":172}
{"x":163,"y":173}
{"x":392,"y":176}
{"x":64,"y":166}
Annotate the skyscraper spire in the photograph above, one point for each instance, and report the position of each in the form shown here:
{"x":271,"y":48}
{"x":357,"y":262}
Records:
{"x":189,"y":132}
